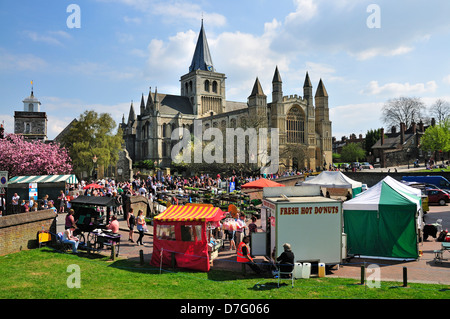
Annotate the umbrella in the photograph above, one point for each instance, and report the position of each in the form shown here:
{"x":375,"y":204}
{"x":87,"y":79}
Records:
{"x":261,"y":183}
{"x":92,"y":186}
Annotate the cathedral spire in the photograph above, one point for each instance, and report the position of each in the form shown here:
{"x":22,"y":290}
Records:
{"x":321,"y":91}
{"x":257,"y":89}
{"x":142,"y":104}
{"x":132,"y":115}
{"x":149,"y":99}
{"x":307,"y":83}
{"x":202,"y":57}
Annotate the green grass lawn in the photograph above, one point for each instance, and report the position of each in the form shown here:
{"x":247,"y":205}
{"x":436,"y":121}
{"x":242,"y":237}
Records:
{"x":439,"y":170}
{"x":43,"y":274}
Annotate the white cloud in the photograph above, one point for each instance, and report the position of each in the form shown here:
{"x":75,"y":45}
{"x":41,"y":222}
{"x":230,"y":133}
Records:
{"x":135,"y":20}
{"x":348,"y":119}
{"x":8,"y":123}
{"x":398,"y":89}
{"x":373,"y":52}
{"x":173,"y":11}
{"x":305,"y":10}
{"x":50,"y":37}
{"x":21,"y":62}
{"x":446,"y":79}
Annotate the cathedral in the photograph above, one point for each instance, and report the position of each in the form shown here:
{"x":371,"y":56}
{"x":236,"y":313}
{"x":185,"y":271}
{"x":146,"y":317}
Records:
{"x":304,"y":127}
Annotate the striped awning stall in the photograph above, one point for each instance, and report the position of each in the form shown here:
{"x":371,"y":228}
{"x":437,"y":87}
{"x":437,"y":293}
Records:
{"x":191,"y":213}
{"x":70,"y":179}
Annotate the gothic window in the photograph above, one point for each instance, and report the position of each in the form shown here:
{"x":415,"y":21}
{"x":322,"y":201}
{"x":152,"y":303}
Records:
{"x":214,"y":86}
{"x":27,"y":128}
{"x":186,"y":87}
{"x":190,"y":86}
{"x":164,"y":149}
{"x":207,"y":86}
{"x":233,"y":123}
{"x":295,"y":126}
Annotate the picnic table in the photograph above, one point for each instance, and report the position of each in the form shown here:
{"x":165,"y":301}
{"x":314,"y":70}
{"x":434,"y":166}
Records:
{"x":439,"y":254}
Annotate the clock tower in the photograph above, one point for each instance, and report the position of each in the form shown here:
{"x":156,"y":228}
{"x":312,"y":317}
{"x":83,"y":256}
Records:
{"x":31,"y":123}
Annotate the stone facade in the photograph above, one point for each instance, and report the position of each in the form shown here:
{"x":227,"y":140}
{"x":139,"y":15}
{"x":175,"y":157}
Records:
{"x":305,"y":135}
{"x":19,"y":232}
{"x":31,"y":123}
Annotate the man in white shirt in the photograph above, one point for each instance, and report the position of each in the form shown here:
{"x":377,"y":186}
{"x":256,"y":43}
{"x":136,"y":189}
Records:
{"x":15,"y":203}
{"x":142,"y":191}
{"x":240,"y":231}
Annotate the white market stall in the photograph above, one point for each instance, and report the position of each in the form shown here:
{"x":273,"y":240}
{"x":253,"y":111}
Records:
{"x":335,"y":180}
{"x":311,"y":223}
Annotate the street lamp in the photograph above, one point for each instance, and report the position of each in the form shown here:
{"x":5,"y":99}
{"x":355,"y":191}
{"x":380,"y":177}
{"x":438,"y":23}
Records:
{"x":94,"y":159}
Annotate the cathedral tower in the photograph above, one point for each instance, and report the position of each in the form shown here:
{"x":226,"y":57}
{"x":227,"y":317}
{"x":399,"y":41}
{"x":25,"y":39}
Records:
{"x":204,"y":87}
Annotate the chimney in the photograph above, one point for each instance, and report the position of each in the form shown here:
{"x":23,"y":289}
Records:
{"x":382,"y":136}
{"x":433,"y":122}
{"x":421,"y":126}
{"x":402,"y":133}
{"x":413,"y":125}
{"x":393,"y":129}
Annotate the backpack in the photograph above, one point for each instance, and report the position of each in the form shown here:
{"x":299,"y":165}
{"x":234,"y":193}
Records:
{"x":442,"y":236}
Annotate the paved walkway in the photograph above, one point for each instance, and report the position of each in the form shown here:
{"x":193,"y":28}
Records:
{"x":423,"y":270}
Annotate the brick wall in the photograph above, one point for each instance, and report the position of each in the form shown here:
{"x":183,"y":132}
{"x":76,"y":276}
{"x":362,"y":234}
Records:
{"x":19,"y":232}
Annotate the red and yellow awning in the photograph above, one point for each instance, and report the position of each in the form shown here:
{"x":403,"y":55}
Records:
{"x":191,"y":213}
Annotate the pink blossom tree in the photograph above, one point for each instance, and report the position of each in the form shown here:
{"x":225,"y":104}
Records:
{"x":20,"y":157}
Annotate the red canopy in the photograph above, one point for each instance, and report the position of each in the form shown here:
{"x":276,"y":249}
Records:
{"x":191,"y":251}
{"x":261,"y":183}
{"x":92,"y":186}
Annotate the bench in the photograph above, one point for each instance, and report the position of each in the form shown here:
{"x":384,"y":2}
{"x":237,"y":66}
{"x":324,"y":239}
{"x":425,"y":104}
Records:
{"x":439,"y":254}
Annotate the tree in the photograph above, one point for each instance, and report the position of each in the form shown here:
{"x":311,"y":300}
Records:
{"x":402,"y":110}
{"x":93,"y":135}
{"x":440,"y":110}
{"x":352,"y":152}
{"x":20,"y":157}
{"x":372,"y":137}
{"x":436,"y":139}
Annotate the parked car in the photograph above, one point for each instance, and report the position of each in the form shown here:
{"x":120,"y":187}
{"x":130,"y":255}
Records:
{"x":366,"y":165}
{"x":437,"y":196}
{"x":440,"y":181}
{"x":355,"y":165}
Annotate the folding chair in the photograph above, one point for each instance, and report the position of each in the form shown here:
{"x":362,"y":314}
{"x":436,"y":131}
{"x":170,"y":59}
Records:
{"x":60,"y":239}
{"x":288,"y":274}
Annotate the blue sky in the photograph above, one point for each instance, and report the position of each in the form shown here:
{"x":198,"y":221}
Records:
{"x":123,"y":47}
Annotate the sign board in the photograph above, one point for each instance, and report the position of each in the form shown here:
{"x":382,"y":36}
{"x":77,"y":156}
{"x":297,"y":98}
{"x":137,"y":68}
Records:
{"x":232,"y":187}
{"x":4,"y":179}
{"x":32,"y":191}
{"x":312,"y":225}
{"x":3,"y":182}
